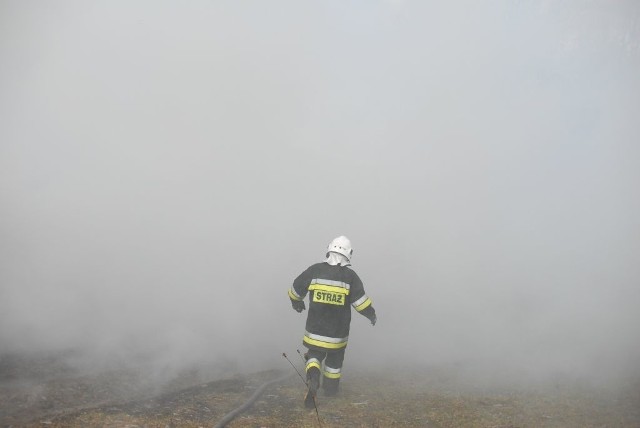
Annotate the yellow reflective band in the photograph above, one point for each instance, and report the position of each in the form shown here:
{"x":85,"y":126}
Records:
{"x":312,"y":364}
{"x":293,"y":296}
{"x":328,"y":288}
{"x":332,"y":375}
{"x":321,"y":344}
{"x":363,"y":305}
{"x":330,"y":282}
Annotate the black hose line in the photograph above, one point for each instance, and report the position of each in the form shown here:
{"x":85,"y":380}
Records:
{"x":258,"y":392}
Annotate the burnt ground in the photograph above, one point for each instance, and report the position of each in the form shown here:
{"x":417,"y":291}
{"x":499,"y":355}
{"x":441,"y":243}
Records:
{"x":48,"y":393}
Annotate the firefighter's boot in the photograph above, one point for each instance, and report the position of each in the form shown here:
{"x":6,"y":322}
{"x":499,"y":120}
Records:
{"x":330,"y":386}
{"x":313,"y":383}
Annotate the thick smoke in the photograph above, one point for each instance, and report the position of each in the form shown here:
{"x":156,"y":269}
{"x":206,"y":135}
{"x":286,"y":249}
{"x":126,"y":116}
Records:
{"x":167,"y":169}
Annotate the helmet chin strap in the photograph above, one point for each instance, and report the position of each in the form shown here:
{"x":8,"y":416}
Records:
{"x":334,"y":258}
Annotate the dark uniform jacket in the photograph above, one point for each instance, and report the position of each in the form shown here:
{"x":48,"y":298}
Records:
{"x":332,"y":291}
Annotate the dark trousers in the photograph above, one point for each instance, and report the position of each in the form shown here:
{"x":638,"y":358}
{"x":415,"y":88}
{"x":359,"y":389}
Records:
{"x":332,"y":368}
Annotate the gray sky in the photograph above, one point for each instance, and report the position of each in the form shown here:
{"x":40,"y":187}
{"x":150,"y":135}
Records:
{"x":167,"y":169}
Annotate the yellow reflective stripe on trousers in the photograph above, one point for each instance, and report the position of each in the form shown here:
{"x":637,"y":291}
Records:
{"x":294,"y":295}
{"x":332,"y":373}
{"x":363,"y":305}
{"x":324,"y":344}
{"x":312,"y":362}
{"x":321,"y":344}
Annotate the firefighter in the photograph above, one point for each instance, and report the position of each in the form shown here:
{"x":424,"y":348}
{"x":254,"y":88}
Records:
{"x":333,"y":289}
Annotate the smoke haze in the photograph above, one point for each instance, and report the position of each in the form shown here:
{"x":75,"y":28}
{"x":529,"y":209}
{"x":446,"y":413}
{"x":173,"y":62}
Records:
{"x":167,"y":169}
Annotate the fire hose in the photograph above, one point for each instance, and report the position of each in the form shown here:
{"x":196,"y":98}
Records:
{"x":247,"y":404}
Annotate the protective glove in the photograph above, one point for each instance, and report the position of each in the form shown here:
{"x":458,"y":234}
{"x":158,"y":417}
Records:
{"x":298,"y":305}
{"x":373,"y":319}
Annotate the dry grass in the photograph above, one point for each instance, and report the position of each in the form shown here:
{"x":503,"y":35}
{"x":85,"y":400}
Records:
{"x":431,"y":398}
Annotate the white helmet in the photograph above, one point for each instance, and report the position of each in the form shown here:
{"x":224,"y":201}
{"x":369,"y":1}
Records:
{"x":341,"y":245}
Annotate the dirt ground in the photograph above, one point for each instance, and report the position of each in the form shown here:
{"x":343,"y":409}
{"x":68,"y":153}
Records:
{"x":47,"y":393}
